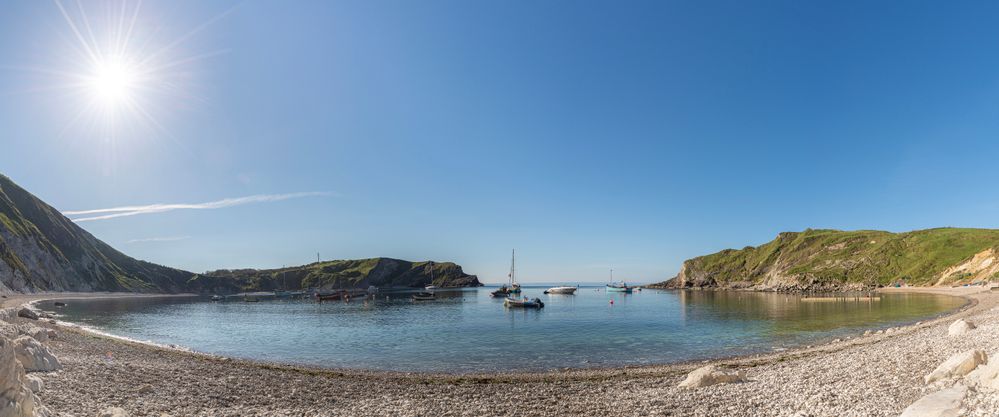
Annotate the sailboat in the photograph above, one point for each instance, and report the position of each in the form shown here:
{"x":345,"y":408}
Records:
{"x":511,"y":300}
{"x":618,"y":286}
{"x":429,"y":294}
{"x":514,"y":286}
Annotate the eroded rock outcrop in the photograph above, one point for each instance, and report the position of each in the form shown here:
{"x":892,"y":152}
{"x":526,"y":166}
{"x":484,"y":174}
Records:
{"x":33,"y":356}
{"x":985,"y":377}
{"x":16,"y":399}
{"x":943,"y":403}
{"x":958,"y":365}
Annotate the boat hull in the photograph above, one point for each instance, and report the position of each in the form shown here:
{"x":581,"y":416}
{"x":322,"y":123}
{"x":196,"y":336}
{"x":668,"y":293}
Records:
{"x":515,"y":303}
{"x":561,"y":290}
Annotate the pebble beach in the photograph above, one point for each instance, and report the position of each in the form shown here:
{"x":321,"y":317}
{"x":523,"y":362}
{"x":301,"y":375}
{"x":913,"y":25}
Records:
{"x":879,"y":374}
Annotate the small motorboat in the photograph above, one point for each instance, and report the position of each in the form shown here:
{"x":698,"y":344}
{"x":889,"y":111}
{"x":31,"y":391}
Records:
{"x":430,"y":287}
{"x":501,"y":292}
{"x":424,"y":296}
{"x":214,"y":298}
{"x":561,"y":290}
{"x":619,"y":287}
{"x":251,"y":299}
{"x":523,"y":303}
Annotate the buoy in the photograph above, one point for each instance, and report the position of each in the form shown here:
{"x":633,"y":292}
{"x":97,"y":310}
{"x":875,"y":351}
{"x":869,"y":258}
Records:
{"x":612,"y":302}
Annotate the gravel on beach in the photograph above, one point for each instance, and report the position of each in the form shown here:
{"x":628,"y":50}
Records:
{"x":875,"y":375}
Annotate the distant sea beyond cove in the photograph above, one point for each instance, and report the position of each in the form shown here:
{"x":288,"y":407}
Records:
{"x":466,"y":330}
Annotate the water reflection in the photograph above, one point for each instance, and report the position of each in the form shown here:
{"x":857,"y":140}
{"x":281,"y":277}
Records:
{"x":467,"y":330}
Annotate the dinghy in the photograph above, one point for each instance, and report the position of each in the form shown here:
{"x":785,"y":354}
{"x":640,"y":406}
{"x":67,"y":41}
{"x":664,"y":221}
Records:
{"x":523,"y":303}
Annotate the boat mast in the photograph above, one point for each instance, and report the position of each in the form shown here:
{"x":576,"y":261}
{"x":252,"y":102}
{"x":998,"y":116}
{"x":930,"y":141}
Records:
{"x":513,"y":257}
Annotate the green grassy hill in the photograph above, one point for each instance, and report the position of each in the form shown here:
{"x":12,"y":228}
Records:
{"x":380,"y":272}
{"x":833,"y":259}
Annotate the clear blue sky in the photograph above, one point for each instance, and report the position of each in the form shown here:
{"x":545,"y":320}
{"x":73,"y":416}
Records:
{"x":588,"y":135}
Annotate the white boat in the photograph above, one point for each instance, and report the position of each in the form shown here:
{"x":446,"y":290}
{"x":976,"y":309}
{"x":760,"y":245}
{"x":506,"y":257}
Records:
{"x":561,"y":290}
{"x":430,"y":287}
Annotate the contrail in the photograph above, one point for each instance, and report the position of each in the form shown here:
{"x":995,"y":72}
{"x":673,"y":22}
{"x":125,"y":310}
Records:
{"x":159,"y":239}
{"x":125,"y":211}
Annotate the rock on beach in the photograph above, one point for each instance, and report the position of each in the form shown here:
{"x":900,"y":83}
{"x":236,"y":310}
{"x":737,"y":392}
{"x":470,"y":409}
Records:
{"x":943,"y":403}
{"x":959,"y":327}
{"x":710,"y":375}
{"x":33,"y":356}
{"x":958,"y":365}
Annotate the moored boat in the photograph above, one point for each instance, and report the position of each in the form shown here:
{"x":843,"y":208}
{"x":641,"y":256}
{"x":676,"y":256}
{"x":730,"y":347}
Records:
{"x":619,"y":287}
{"x":523,"y":302}
{"x":429,"y":294}
{"x":501,"y":292}
{"x":514,"y":287}
{"x":345,"y":295}
{"x":214,"y":298}
{"x":424,"y":296}
{"x":561,"y":290}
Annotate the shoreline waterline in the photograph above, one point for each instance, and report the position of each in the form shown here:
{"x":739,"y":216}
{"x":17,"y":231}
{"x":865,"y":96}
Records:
{"x":567,"y":373}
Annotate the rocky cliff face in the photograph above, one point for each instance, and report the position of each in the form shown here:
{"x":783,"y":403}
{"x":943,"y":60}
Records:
{"x":831,"y":260}
{"x":380,"y":272}
{"x":42,"y":250}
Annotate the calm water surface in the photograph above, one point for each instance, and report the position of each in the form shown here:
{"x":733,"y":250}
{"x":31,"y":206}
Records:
{"x":467,"y":331}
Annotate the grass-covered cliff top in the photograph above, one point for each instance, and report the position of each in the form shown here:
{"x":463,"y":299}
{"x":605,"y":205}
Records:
{"x":870,"y":257}
{"x":380,"y":272}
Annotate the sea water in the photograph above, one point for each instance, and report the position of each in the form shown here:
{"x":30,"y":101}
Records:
{"x":466,"y":330}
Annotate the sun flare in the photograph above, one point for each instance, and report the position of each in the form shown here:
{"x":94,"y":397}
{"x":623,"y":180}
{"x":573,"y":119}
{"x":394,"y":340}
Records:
{"x":113,"y":82}
{"x":122,"y":73}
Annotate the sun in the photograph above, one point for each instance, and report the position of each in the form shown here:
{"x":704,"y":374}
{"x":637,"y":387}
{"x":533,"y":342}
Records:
{"x":121,"y":74}
{"x":113,"y":82}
